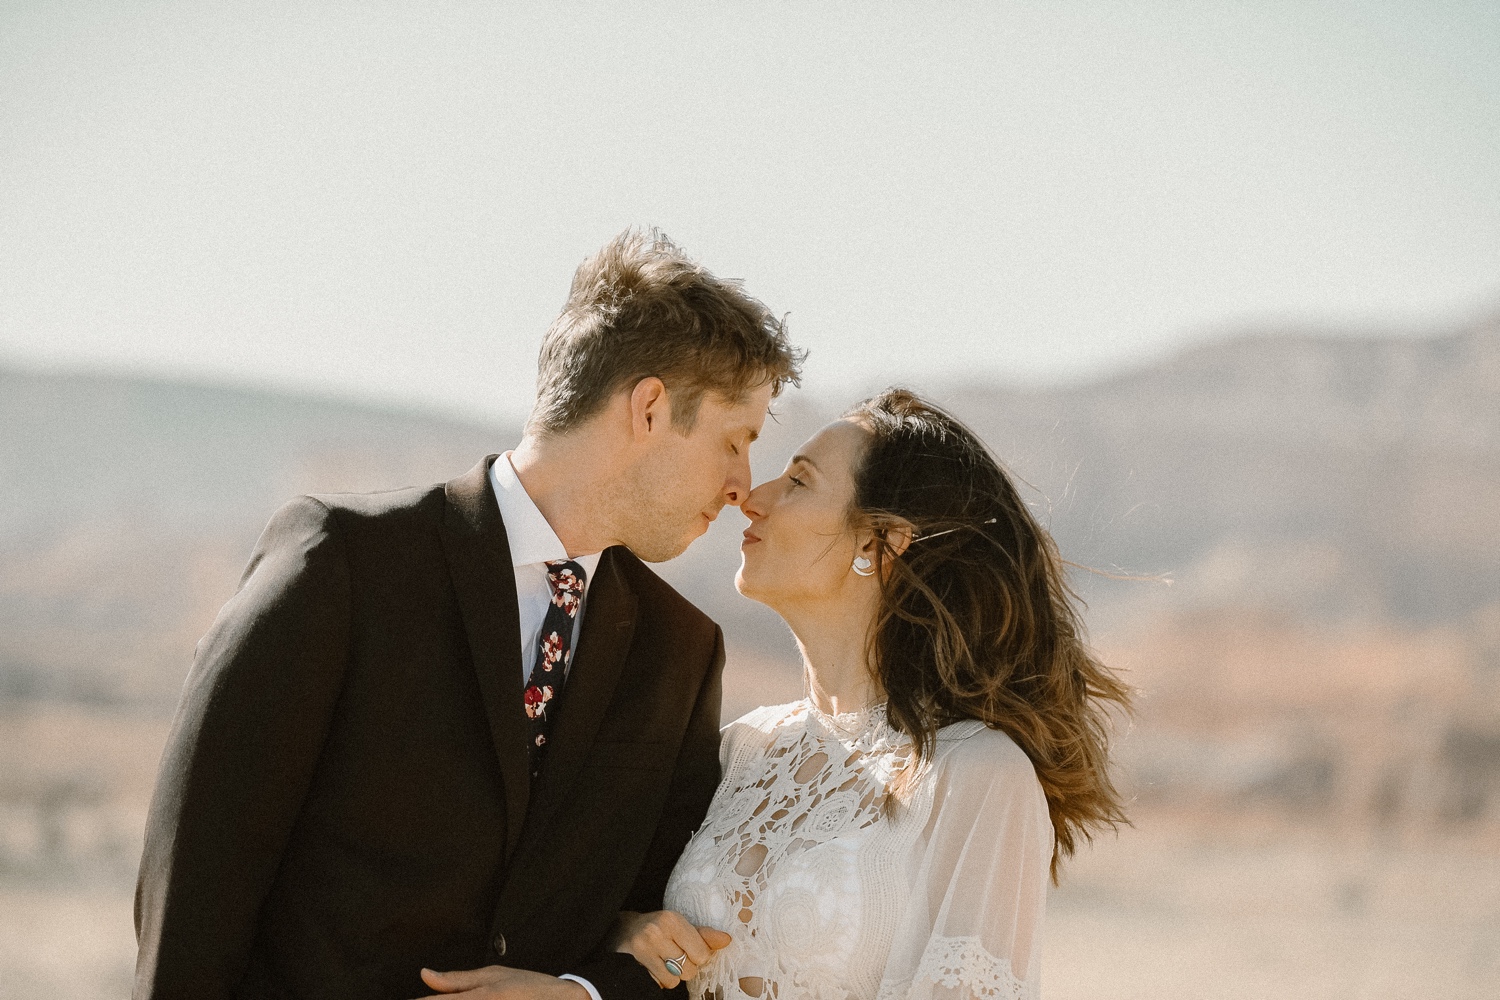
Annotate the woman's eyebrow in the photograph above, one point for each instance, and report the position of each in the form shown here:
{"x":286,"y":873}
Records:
{"x":805,"y":461}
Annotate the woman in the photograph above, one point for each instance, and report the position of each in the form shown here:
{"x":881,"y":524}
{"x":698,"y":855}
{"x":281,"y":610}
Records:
{"x":891,"y":835}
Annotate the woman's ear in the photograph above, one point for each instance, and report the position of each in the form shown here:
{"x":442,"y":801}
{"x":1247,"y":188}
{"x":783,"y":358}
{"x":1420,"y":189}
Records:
{"x":894,"y":533}
{"x":898,"y":536}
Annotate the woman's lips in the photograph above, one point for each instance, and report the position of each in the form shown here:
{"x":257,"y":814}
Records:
{"x":749,"y":539}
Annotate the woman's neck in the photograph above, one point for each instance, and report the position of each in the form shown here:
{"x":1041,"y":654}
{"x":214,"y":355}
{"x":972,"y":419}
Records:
{"x":835,"y":657}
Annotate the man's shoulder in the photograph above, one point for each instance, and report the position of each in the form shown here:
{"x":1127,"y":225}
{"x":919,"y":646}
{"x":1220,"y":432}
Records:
{"x":657,"y":597}
{"x":386,"y":505}
{"x":346,"y":518}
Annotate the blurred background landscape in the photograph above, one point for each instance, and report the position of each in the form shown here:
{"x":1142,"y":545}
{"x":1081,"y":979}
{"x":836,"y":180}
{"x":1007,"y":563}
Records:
{"x":1220,"y":282}
{"x":1316,"y":761}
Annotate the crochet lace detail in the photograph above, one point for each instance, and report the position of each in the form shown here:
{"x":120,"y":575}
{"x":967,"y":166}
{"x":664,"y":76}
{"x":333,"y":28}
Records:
{"x":780,"y":862}
{"x":962,"y":964}
{"x":830,"y":893}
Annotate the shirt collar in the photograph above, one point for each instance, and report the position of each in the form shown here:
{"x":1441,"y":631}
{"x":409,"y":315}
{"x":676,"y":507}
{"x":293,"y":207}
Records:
{"x":531,"y":538}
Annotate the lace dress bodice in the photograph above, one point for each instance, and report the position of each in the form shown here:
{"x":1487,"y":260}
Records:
{"x":829,"y":895}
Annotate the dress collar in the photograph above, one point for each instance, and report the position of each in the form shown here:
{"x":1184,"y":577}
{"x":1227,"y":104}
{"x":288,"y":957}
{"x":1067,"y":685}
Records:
{"x":866,"y":730}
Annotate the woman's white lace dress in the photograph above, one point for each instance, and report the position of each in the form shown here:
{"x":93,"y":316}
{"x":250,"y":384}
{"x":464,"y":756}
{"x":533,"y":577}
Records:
{"x":828,"y":897}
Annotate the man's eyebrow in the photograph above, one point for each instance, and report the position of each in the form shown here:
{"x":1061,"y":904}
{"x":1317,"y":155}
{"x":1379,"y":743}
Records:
{"x":754,"y":435}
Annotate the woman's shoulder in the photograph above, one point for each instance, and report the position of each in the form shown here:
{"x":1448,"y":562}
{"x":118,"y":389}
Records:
{"x":981,"y":777}
{"x":968,"y":751}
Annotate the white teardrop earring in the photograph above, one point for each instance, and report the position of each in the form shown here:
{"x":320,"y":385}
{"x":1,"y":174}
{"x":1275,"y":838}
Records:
{"x":863,"y":566}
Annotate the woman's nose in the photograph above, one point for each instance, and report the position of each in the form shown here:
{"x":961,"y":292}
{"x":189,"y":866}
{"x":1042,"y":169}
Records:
{"x":755,"y":502}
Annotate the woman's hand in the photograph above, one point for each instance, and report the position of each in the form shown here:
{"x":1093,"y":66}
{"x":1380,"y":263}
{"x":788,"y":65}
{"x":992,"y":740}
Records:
{"x":653,"y":939}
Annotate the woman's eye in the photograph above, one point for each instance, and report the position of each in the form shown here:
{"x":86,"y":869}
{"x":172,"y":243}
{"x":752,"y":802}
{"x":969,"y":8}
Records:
{"x":795,"y":481}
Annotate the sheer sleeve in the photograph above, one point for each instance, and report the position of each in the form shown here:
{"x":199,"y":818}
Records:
{"x":979,"y":891}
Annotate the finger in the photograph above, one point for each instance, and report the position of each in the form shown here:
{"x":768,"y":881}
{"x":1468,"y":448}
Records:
{"x":656,"y":949}
{"x":435,"y":980}
{"x":682,"y":939}
{"x":454,"y":982}
{"x":664,"y":979}
{"x":691,"y":943}
{"x":439,"y":981}
{"x":666,"y":973}
{"x":648,"y":955}
{"x":685,"y":965}
{"x":714,"y":938}
{"x":659,"y":969}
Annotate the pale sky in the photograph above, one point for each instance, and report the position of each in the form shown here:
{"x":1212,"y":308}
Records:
{"x":388,"y":201}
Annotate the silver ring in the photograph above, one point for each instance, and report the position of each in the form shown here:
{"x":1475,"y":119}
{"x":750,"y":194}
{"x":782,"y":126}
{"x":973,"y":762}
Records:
{"x":674,"y":965}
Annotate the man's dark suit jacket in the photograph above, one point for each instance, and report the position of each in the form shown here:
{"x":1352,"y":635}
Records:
{"x":344,"y":796}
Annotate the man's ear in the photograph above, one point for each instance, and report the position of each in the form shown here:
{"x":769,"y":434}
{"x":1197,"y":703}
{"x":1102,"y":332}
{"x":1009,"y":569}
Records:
{"x":650,"y":409}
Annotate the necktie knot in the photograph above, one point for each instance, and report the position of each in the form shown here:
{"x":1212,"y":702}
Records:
{"x":567,"y":579}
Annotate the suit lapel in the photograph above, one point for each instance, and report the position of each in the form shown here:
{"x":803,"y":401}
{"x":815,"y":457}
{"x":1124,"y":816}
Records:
{"x":603,"y":642}
{"x":478,"y":553}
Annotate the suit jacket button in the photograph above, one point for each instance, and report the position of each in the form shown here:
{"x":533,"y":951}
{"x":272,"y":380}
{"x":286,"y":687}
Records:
{"x":499,"y":945}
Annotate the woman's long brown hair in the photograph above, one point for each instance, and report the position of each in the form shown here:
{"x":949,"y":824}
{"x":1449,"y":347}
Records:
{"x":976,"y":618}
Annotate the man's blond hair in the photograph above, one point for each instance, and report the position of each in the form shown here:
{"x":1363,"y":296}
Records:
{"x":641,"y":307}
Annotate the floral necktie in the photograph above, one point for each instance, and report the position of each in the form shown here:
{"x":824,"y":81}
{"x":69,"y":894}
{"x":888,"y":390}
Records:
{"x":554,"y":650}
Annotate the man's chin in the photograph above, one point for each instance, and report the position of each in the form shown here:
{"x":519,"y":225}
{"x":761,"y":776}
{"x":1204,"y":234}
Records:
{"x":659,"y":549}
{"x":662,"y":551}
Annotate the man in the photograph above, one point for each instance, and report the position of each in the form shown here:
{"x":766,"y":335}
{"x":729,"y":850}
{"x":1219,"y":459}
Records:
{"x":388,"y":758}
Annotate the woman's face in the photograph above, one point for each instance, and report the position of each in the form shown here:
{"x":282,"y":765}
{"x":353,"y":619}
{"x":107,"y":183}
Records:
{"x":799,"y":547}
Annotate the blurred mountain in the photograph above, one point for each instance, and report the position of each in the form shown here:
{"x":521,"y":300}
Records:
{"x":1326,"y":507}
{"x":195,"y":460}
{"x":1341,"y":478}
{"x":128,"y":506}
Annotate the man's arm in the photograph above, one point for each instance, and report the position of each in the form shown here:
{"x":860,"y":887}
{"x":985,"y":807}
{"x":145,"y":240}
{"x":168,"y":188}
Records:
{"x":616,"y":975}
{"x":246,"y":738}
{"x":612,"y":975}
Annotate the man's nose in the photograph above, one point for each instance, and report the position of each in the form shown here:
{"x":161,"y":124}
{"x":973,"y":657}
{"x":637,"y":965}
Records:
{"x":737,"y":485}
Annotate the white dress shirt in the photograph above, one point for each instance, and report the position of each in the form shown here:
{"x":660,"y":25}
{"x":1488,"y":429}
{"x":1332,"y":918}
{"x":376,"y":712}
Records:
{"x":533,"y":543}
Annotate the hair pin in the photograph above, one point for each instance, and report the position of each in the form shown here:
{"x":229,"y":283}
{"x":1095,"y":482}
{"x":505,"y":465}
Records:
{"x":949,"y":531}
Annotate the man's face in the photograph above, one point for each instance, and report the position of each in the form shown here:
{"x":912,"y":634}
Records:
{"x":684,"y":480}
